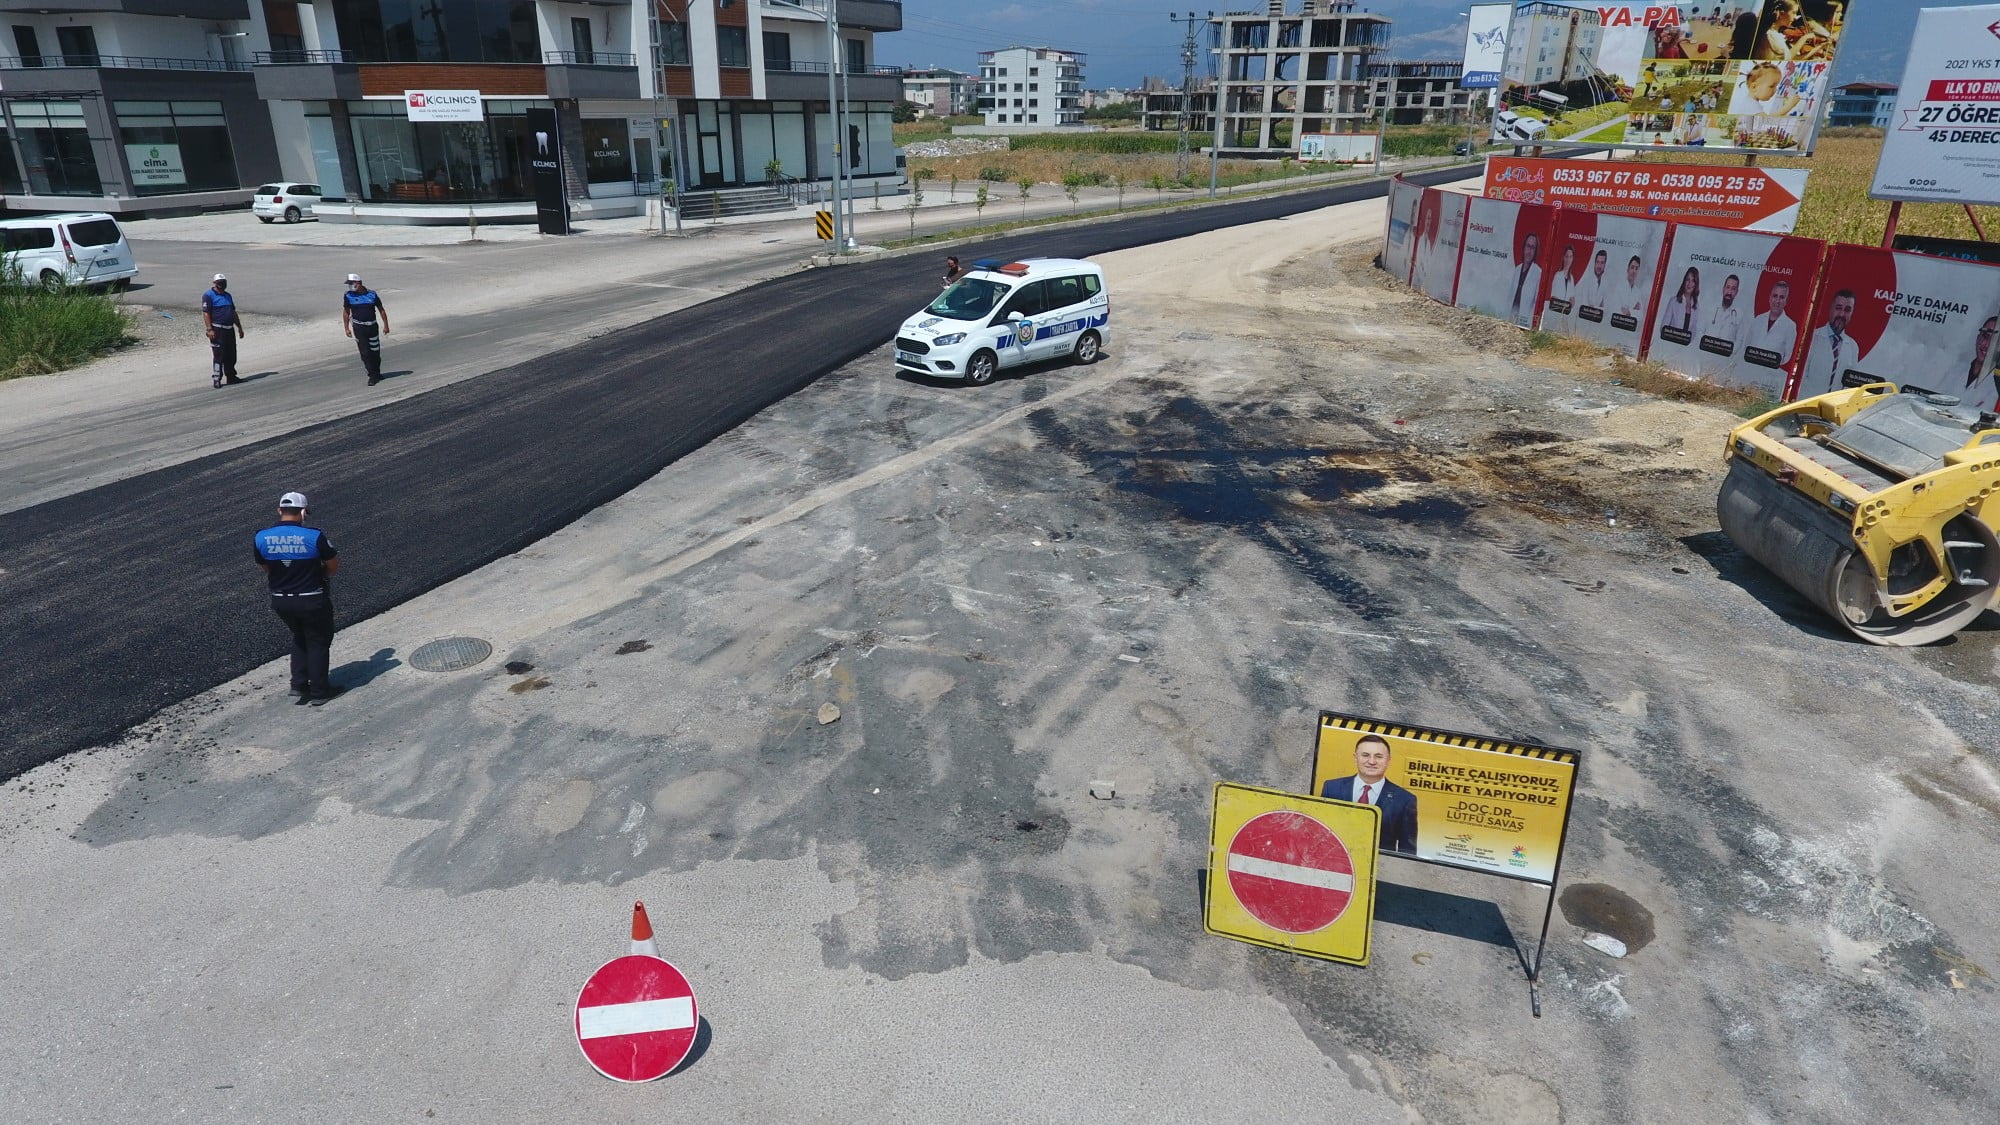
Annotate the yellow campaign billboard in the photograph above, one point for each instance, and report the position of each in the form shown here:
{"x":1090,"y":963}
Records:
{"x":1464,"y":800}
{"x":1291,"y":872}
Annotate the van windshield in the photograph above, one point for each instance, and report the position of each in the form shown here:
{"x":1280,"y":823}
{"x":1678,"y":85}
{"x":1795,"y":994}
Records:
{"x":971,"y":298}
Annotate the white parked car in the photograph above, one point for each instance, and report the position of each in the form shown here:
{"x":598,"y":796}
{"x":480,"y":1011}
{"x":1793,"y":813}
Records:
{"x":287,"y":201}
{"x":85,"y":248}
{"x":1003,"y":315}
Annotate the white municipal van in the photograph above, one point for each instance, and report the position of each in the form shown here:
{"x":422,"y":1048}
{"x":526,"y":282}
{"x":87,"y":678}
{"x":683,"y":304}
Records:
{"x":1006,"y":315}
{"x":68,"y":249}
{"x":1511,"y":126}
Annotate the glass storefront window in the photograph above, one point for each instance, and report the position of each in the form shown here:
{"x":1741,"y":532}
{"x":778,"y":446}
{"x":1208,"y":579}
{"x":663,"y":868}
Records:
{"x":607,"y":150}
{"x":10,"y":173}
{"x":471,"y":162}
{"x":176,"y":146}
{"x":55,"y":148}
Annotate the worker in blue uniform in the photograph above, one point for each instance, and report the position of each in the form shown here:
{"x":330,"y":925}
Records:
{"x":364,"y":317}
{"x":225,"y":327}
{"x":300,"y":562}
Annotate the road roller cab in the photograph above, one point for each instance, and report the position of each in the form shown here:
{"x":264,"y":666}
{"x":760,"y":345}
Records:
{"x":1877,"y":505}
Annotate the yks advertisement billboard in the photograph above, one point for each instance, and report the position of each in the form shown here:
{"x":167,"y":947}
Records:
{"x":1942,"y":133}
{"x":1905,"y":318}
{"x":1439,"y":235}
{"x":1731,"y":304}
{"x":1507,"y":254}
{"x":1739,"y":76}
{"x":1602,"y":288}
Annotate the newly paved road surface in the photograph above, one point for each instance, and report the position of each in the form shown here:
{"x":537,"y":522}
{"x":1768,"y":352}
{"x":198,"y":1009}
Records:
{"x":134,"y":595}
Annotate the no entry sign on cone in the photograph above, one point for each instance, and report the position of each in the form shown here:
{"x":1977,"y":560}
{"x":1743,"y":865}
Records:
{"x":636,"y":1017}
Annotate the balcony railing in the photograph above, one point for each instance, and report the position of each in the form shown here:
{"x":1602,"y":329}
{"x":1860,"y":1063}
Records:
{"x":117,"y":62}
{"x":303,"y":58}
{"x":803,"y":66}
{"x":588,"y":58}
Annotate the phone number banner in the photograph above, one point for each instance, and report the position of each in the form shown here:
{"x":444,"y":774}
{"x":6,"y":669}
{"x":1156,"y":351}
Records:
{"x":1732,"y":197}
{"x":1943,"y":141}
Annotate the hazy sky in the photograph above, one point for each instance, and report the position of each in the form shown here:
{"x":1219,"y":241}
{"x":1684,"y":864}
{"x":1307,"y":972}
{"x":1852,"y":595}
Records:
{"x":1122,"y":40}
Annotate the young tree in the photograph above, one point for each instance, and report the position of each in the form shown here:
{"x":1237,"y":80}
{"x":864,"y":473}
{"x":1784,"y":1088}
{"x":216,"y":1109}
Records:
{"x":953,"y":197}
{"x":979,"y":201}
{"x":1118,"y":181}
{"x":1024,"y":183}
{"x":1159,"y":185}
{"x":1072,"y":183}
{"x":916,"y":199}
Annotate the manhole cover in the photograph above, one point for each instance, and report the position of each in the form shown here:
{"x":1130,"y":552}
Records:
{"x":450,"y":654}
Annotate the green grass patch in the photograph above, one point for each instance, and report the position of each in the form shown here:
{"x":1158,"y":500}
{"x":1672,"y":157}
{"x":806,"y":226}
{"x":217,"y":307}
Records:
{"x":43,"y":331}
{"x":1421,"y":140}
{"x":1117,"y":144}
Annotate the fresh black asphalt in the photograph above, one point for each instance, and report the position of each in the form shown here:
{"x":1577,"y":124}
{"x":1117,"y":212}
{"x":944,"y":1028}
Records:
{"x":122,"y":600}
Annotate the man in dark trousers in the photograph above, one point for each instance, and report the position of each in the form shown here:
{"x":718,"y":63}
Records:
{"x":1368,"y":786}
{"x":300,"y":562}
{"x":364,"y":317}
{"x":225,"y":327}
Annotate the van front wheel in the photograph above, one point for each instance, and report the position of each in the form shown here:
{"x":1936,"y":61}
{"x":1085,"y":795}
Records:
{"x":1088,"y":347}
{"x":980,"y":371}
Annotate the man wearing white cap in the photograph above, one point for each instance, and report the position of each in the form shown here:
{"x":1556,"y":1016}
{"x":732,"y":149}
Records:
{"x":364,"y":317}
{"x":225,"y":327}
{"x":300,"y":563}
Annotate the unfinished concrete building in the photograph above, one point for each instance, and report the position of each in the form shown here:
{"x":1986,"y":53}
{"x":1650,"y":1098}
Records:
{"x":1284,"y":73}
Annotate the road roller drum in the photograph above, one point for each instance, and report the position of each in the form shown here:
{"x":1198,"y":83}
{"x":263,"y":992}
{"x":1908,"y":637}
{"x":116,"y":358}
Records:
{"x":1874,"y":505}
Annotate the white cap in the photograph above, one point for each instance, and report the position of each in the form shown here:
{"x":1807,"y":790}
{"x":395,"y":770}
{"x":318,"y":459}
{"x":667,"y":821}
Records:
{"x":354,"y":277}
{"x":219,"y":277}
{"x":292,"y":500}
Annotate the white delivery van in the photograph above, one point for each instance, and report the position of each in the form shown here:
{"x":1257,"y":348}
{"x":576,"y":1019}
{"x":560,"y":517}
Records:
{"x":67,"y":249}
{"x":1511,"y":126}
{"x":1005,"y":315}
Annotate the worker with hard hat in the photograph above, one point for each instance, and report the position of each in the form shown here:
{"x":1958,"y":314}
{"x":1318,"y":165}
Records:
{"x":364,"y":317}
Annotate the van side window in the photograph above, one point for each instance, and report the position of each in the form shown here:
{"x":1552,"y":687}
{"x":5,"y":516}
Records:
{"x":1091,"y":286}
{"x":1027,"y":300}
{"x":17,"y":239}
{"x":1065,"y":291}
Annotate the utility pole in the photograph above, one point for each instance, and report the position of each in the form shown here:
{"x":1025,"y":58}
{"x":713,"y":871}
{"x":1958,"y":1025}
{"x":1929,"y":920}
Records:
{"x":671,"y":137}
{"x":833,"y":122}
{"x":1187,"y":88}
{"x":1215,"y":109}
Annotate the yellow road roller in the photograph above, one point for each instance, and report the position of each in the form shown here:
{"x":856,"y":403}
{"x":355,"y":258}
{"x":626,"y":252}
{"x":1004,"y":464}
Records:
{"x":1876,"y":504}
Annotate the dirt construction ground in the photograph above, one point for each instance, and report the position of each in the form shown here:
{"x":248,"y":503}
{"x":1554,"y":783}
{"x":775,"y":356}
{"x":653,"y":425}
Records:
{"x":1290,"y":486}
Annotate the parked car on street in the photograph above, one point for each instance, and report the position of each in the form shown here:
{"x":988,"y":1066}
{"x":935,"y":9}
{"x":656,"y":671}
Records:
{"x":288,"y":201}
{"x":82,"y":248}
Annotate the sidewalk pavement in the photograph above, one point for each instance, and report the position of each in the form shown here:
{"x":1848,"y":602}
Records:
{"x":882,"y":216}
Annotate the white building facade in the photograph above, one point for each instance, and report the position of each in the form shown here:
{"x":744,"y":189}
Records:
{"x":1031,"y":87}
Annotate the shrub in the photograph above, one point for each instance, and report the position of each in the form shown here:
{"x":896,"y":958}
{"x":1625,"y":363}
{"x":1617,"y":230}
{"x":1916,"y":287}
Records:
{"x":994,"y":175}
{"x":48,"y":330}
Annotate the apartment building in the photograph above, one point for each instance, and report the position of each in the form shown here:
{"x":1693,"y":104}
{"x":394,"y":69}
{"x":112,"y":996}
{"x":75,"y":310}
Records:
{"x":1862,"y":103}
{"x":1284,"y":73}
{"x":937,"y":92}
{"x":1160,"y":109}
{"x":1552,"y":44}
{"x":1031,"y":87}
{"x":1419,"y":92}
{"x":747,"y":81}
{"x":131,"y":106}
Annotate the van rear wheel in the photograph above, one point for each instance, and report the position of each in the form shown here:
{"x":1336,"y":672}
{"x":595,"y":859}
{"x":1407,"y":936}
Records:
{"x":1088,"y":347}
{"x":981,"y":370}
{"x":51,"y":280}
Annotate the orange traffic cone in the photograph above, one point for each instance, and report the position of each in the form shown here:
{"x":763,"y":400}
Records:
{"x":642,"y":933}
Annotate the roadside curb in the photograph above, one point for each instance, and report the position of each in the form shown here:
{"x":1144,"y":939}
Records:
{"x":872,"y":254}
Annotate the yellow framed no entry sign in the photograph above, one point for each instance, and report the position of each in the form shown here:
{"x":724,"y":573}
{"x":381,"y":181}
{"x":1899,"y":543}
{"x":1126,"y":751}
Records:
{"x":1292,"y":872}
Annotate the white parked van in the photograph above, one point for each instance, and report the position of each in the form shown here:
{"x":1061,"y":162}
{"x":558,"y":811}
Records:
{"x":1004,"y":315}
{"x":1511,"y":126}
{"x":72,"y":249}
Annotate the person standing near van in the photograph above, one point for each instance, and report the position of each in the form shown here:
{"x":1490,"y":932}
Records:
{"x":365,"y":318}
{"x":225,"y":327}
{"x":299,"y":562}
